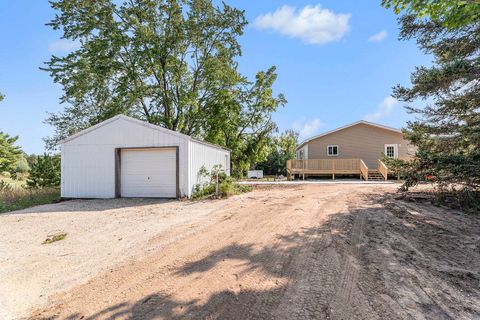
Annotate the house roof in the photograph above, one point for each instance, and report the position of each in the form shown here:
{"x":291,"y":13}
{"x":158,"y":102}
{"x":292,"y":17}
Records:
{"x":348,"y":126}
{"x":140,"y":122}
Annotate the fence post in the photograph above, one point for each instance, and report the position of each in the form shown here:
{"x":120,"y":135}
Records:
{"x":333,"y":169}
{"x":303,"y":169}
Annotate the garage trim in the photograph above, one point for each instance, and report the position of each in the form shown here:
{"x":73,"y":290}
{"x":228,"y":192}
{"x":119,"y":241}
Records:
{"x":118,"y":166}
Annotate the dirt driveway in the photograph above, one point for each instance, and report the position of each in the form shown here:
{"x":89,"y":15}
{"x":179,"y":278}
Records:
{"x":298,"y":252}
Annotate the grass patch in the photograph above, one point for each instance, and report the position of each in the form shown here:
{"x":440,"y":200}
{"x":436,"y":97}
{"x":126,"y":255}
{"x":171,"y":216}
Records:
{"x":17,"y":198}
{"x":55,"y":237}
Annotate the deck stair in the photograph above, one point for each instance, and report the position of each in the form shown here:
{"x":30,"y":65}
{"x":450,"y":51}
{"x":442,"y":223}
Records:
{"x":375,"y":175}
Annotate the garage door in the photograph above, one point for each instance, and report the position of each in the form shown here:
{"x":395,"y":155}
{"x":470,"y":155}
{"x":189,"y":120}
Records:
{"x":148,"y":173}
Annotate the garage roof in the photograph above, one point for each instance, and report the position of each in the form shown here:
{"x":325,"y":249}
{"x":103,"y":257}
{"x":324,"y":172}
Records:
{"x":143,"y":123}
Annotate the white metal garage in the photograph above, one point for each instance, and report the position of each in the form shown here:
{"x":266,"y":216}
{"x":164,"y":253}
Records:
{"x":126,"y":157}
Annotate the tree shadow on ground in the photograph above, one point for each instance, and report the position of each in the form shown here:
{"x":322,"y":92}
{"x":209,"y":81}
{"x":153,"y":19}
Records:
{"x":314,"y":261}
{"x":222,"y":305}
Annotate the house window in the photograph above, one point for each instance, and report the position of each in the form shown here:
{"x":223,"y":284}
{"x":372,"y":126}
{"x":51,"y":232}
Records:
{"x":391,"y":150}
{"x":332,"y":150}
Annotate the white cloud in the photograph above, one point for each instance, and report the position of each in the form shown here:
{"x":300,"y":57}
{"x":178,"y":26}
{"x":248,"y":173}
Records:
{"x":377,"y":37}
{"x":312,"y":24}
{"x":383,"y":109}
{"x":63,"y":45}
{"x":307,"y":128}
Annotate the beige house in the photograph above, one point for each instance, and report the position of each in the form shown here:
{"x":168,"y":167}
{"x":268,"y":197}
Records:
{"x":351,"y":149}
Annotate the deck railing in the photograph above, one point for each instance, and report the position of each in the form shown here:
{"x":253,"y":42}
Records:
{"x":337,"y":165}
{"x":333,"y":166}
{"x":327,"y":166}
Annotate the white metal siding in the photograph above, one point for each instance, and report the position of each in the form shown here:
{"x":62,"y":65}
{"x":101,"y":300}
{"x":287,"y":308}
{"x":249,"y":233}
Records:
{"x":88,"y":171}
{"x":88,"y":161}
{"x":208,"y":156}
{"x":148,"y":173}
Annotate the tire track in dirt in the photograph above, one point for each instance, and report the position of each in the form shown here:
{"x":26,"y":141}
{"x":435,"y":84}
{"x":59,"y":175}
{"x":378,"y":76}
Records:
{"x":349,"y":302}
{"x":311,"y":290}
{"x":351,"y":269}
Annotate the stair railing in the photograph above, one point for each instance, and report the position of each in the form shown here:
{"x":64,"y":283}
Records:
{"x":382,"y":168}
{"x":363,"y":170}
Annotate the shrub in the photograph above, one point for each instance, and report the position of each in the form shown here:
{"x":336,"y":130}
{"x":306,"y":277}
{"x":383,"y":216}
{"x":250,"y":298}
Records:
{"x":45,"y":172}
{"x":227,"y":186}
{"x":230,"y":187}
{"x":202,"y":191}
{"x":21,"y":166}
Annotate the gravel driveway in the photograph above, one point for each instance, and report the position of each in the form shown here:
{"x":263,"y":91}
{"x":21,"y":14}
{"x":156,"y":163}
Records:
{"x":291,"y":252}
{"x":100,"y":235}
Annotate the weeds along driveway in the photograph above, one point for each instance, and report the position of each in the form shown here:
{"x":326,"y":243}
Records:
{"x":292,"y":252}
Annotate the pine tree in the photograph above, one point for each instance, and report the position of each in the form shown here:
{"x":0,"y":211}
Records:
{"x":45,"y":172}
{"x":447,"y":130}
{"x":9,"y":153}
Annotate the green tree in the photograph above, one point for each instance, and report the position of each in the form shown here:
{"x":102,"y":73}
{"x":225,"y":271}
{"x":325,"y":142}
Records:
{"x":282,"y":148}
{"x":1,"y":97}
{"x":243,"y":121}
{"x":45,"y":172}
{"x":21,"y":166}
{"x":170,"y":62}
{"x":9,"y":153}
{"x":31,"y":159}
{"x":452,"y":13}
{"x":159,"y":60}
{"x":447,"y":130}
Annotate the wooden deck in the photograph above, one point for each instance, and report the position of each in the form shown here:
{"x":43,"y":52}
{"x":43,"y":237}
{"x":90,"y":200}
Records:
{"x":334,"y":167}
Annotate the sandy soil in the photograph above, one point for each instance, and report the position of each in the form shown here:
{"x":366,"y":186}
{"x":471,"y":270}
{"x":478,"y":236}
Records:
{"x":100,"y":234}
{"x":296,"y":252}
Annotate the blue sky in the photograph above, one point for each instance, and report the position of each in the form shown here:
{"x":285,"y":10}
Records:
{"x":336,"y":60}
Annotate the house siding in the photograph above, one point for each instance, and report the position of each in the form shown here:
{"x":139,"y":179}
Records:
{"x":303,"y":149}
{"x":360,"y":141}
